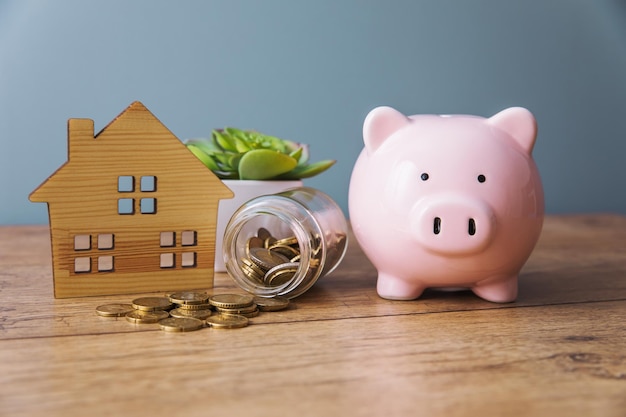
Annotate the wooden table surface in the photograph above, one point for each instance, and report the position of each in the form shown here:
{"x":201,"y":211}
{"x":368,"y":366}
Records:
{"x":339,"y":350}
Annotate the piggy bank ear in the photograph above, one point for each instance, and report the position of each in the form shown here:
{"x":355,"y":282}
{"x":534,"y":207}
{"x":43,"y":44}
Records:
{"x":381,"y":123}
{"x":519,"y":123}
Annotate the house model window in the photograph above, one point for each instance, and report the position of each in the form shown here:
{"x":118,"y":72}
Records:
{"x":83,"y":248}
{"x":82,"y":242}
{"x":147,"y":205}
{"x":125,"y":184}
{"x":105,"y":241}
{"x":82,"y":264}
{"x":186,"y":259}
{"x":105,"y":263}
{"x":126,"y":204}
{"x":168,"y":239}
{"x":148,"y":184}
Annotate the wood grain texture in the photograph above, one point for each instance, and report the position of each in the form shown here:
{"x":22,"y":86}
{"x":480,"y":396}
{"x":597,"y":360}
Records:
{"x":83,"y":197}
{"x":559,"y":350}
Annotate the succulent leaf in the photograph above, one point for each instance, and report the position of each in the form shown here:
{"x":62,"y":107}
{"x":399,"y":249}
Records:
{"x":223,"y":159}
{"x":307,"y":171}
{"x":304,"y":158}
{"x":263,"y":164}
{"x":296,"y":154}
{"x":233,"y":161}
{"x":226,"y":142}
{"x":203,"y":157}
{"x":227,"y":175}
{"x":207,"y":146}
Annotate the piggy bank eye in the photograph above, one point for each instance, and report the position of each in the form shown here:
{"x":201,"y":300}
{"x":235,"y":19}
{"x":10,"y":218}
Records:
{"x":481,"y":178}
{"x":424,"y":176}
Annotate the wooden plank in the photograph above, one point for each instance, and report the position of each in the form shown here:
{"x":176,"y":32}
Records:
{"x":555,"y":361}
{"x":578,"y":259}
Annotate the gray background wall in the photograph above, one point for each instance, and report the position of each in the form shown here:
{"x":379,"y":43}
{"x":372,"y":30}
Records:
{"x":310,"y":71}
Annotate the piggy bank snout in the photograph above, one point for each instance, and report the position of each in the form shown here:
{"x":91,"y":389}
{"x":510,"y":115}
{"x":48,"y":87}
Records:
{"x":453,"y":225}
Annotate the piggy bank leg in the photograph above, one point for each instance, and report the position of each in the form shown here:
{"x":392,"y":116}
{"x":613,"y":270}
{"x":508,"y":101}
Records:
{"x":394,"y":288}
{"x":497,"y":291}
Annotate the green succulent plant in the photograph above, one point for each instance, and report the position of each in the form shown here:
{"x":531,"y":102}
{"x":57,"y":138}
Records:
{"x":248,"y":155}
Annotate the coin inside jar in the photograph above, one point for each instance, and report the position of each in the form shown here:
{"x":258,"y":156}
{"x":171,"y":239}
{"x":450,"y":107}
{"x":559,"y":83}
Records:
{"x":281,"y":274}
{"x":266,"y":259}
{"x":265,"y":253}
{"x":263,"y":233}
{"x":286,"y":250}
{"x":252,"y":271}
{"x":253,"y":242}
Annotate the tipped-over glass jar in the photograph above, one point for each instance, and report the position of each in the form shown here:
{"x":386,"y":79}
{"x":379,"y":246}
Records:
{"x":281,"y":244}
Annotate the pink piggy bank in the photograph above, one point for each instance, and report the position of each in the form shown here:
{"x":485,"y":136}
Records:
{"x":447,"y":201}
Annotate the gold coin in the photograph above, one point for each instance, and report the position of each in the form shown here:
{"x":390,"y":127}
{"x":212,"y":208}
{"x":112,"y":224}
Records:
{"x":152,"y":303}
{"x":114,"y":310}
{"x":227,"y":321}
{"x":249,"y":314}
{"x":288,"y":241}
{"x":281,"y":274}
{"x":145,"y":317}
{"x":189,"y":297}
{"x":271,"y":304}
{"x":196,"y":314}
{"x":196,"y":307}
{"x":263,"y":233}
{"x":252,"y":276}
{"x":285,"y":250}
{"x":266,"y":259}
{"x":269,"y":242}
{"x":254,"y":267}
{"x":236,"y":310}
{"x":180,"y":324}
{"x":230,"y":300}
{"x":253,"y":242}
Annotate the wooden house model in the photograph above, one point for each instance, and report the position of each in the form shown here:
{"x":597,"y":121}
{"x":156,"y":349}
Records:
{"x":132,"y":210}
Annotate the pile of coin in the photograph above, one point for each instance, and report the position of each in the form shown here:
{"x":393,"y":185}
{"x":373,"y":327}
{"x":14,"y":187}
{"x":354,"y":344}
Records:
{"x":187,"y":311}
{"x":269,"y":261}
{"x":272,"y":262}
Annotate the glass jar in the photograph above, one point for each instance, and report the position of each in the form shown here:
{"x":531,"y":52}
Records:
{"x":281,"y":244}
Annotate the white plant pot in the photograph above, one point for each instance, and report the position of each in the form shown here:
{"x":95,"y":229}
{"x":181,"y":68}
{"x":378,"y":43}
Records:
{"x":243,"y":190}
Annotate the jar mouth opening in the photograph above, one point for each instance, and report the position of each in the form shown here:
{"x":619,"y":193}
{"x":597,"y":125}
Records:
{"x":271,"y":253}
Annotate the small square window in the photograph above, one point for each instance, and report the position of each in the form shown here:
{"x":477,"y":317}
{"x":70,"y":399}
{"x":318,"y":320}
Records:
{"x":167,"y":260}
{"x":82,"y":264}
{"x":148,"y":184}
{"x":126,"y":206}
{"x":188,"y":259}
{"x":105,"y":241}
{"x":125,"y":184}
{"x":188,"y":238}
{"x":147,"y":205}
{"x":105,"y":263}
{"x":168,"y":239}
{"x":82,"y":242}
